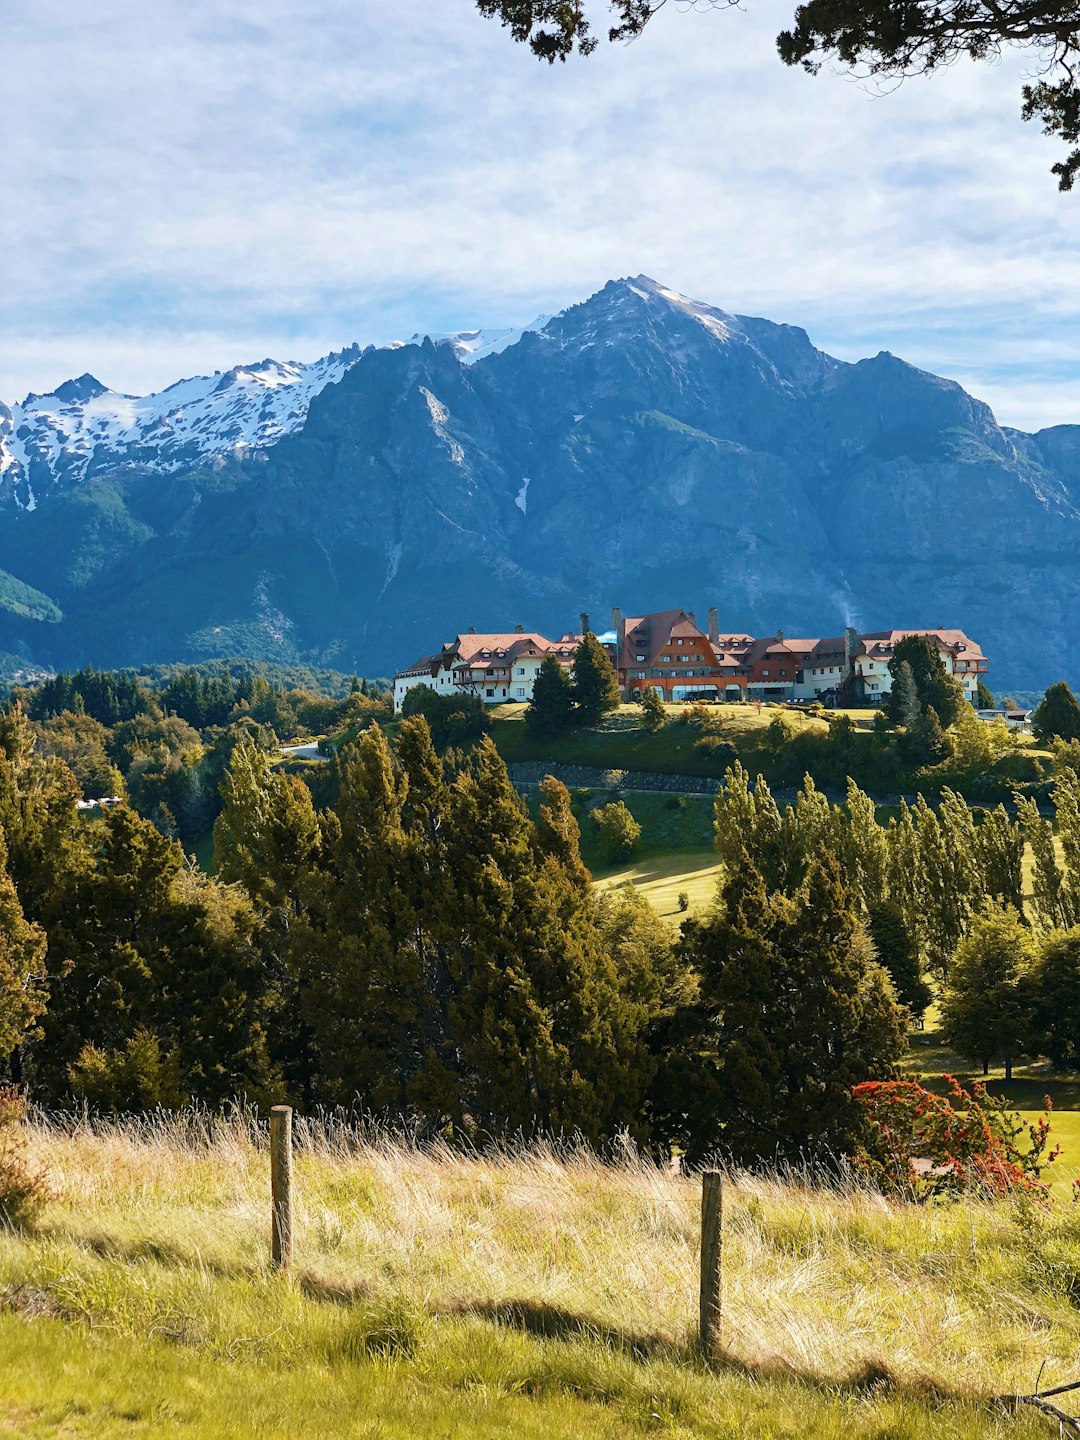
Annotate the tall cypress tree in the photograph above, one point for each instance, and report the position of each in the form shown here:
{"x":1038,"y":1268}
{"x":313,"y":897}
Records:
{"x":596,"y":685}
{"x":794,"y":1011}
{"x":552,"y":708}
{"x":355,"y":949}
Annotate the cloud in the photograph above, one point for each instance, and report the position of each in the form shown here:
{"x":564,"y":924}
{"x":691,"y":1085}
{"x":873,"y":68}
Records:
{"x":187,"y":189}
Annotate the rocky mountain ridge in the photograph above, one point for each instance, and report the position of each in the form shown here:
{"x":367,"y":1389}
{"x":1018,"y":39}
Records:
{"x":641,"y":449}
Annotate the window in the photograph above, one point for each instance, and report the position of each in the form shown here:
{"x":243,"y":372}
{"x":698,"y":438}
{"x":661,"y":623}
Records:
{"x":639,"y":658}
{"x":521,"y":670}
{"x":764,"y":672}
{"x":678,"y":642}
{"x":521,"y":690}
{"x":490,"y":694}
{"x":783,"y":672}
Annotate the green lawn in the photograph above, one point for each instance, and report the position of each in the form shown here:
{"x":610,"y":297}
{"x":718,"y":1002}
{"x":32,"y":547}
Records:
{"x":661,"y":878}
{"x":621,"y":741}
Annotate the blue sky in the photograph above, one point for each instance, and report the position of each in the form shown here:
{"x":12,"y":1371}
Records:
{"x":186,"y":189}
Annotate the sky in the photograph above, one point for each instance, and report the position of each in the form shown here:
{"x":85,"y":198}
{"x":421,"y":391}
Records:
{"x":188,"y":186}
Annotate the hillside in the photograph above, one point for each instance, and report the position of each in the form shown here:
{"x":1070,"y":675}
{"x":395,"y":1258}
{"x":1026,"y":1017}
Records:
{"x":640,"y":449}
{"x":529,"y":1294}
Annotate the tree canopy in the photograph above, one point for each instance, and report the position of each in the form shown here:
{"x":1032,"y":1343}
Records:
{"x":879,"y":40}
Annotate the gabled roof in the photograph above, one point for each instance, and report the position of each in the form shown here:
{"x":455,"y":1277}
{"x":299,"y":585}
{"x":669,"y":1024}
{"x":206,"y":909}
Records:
{"x":881,"y":643}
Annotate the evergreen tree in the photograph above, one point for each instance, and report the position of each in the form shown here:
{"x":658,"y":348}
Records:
{"x":355,"y":952}
{"x":902,"y":704}
{"x":934,"y":686}
{"x":552,"y":708}
{"x":794,"y":1011}
{"x":984,"y":696}
{"x":546,"y":1036}
{"x":267,"y":835}
{"x":596,"y":685}
{"x":652,"y":708}
{"x":1057,"y":715}
{"x":898,"y":953}
{"x":22,"y":967}
{"x":986,"y":1008}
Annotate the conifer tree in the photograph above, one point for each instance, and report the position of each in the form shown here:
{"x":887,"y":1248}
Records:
{"x":552,"y":708}
{"x":267,"y":834}
{"x":545,"y":1036}
{"x":22,"y":967}
{"x":934,"y":686}
{"x":903,"y":703}
{"x":897,"y":951}
{"x":355,"y":952}
{"x":794,"y":1011}
{"x":596,"y":685}
{"x":652,"y":708}
{"x":1057,"y":715}
{"x":986,"y":1008}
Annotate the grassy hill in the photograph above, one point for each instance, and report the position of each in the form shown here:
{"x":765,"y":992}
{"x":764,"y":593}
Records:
{"x":530,"y":1295}
{"x":621,"y":741}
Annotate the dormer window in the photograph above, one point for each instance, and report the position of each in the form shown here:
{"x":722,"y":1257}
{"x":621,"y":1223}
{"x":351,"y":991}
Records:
{"x":486,"y":654}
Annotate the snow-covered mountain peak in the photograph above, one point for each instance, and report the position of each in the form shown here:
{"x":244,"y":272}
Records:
{"x":82,"y":428}
{"x":472,"y":345}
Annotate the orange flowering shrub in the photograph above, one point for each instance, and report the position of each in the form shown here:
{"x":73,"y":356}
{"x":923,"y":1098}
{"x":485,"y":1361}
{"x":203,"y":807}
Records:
{"x":921,"y":1146}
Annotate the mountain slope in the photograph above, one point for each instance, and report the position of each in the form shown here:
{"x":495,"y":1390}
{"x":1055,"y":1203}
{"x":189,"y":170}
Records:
{"x":641,"y":449}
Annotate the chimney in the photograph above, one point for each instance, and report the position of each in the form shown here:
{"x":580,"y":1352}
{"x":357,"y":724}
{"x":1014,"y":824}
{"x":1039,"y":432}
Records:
{"x":471,"y":630}
{"x":779,"y":635}
{"x":714,"y":624}
{"x":519,"y":629}
{"x":584,"y":618}
{"x":616,"y":624}
{"x":851,"y":640}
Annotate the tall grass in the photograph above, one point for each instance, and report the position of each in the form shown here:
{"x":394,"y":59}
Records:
{"x":560,"y":1288}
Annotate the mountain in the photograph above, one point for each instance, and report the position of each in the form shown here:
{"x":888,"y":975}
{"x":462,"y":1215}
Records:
{"x":641,"y":449}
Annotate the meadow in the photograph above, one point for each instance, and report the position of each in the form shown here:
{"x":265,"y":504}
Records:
{"x":529,"y":1293}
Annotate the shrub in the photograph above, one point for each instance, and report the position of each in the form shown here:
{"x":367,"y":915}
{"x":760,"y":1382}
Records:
{"x":921,"y":1146}
{"x":652,"y":709}
{"x":619,"y":831}
{"x":684,"y":901}
{"x":23,"y":1191}
{"x":717,"y":748}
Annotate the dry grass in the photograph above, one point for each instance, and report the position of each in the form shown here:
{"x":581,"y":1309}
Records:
{"x":544,"y":1274}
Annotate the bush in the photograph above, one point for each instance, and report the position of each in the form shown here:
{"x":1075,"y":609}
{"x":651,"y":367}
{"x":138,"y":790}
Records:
{"x":458,"y":720}
{"x":684,"y":902}
{"x":717,"y":748}
{"x":23,"y":1191}
{"x":619,"y":831}
{"x":921,"y":1146}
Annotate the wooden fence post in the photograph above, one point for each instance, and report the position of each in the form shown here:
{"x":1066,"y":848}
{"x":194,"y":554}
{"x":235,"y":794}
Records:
{"x":281,"y":1186}
{"x":712,"y":1214}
